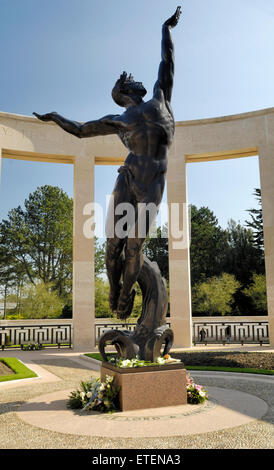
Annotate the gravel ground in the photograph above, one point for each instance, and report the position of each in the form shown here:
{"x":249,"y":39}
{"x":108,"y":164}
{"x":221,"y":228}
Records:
{"x":15,"y":434}
{"x":254,"y":360}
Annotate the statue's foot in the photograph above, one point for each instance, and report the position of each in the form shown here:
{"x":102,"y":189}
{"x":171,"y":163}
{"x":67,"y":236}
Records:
{"x":113,"y":299}
{"x":125,"y":307}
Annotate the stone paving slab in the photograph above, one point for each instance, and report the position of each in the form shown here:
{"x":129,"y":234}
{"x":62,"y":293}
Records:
{"x":227,"y":408}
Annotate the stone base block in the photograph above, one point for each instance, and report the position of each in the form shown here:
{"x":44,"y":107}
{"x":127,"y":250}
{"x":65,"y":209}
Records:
{"x":148,"y":387}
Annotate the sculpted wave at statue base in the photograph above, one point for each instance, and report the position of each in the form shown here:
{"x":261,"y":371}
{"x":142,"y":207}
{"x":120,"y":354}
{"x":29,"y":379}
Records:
{"x":151,"y":331}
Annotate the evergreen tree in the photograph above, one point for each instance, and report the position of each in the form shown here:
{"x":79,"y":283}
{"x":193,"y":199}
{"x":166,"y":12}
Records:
{"x":242,"y":257}
{"x":208,"y":245}
{"x":156,"y":249}
{"x":256,"y":223}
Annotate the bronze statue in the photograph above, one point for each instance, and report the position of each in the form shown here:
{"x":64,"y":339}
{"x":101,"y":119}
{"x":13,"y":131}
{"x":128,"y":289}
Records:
{"x":146,"y":129}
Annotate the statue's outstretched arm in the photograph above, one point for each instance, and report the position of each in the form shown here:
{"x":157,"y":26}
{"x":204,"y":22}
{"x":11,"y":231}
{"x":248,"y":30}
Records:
{"x":166,"y":68}
{"x":103,"y":126}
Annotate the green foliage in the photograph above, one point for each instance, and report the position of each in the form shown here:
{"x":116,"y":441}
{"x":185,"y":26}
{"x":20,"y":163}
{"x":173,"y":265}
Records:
{"x":14,"y":316}
{"x":11,"y":276}
{"x":67,"y":309}
{"x":156,"y":249}
{"x":237,"y":251}
{"x":38,"y":239}
{"x":256,"y":223}
{"x":36,"y":260}
{"x":95,"y":395}
{"x":208,"y":243}
{"x":195,"y":393}
{"x":135,"y":362}
{"x":241,"y":370}
{"x":32,"y":347}
{"x":138,"y":302}
{"x":99,"y":257}
{"x":215,"y":295}
{"x":257,"y":293}
{"x":102,"y":309}
{"x":242,"y":257}
{"x":40,"y":301}
{"x":98,"y":357}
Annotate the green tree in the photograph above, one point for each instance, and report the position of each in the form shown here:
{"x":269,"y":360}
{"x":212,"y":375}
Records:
{"x":208,"y":244}
{"x":12,"y":277}
{"x":214,"y":296}
{"x":102,"y":309}
{"x":39,"y":301}
{"x":256,"y":222}
{"x":39,"y":238}
{"x":156,"y":249}
{"x":101,"y":288}
{"x":99,"y":257}
{"x":6,"y":277}
{"x":242,"y":258}
{"x":256,"y":292}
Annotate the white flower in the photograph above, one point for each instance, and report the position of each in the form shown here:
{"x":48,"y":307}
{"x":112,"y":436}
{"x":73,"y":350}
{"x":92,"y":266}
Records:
{"x":126,"y":363}
{"x":102,"y":387}
{"x":89,"y":394}
{"x":161,"y":360}
{"x":82,"y":395}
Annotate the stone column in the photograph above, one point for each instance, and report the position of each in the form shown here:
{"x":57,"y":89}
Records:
{"x":179,"y":261}
{"x":83,"y":255}
{"x":266,"y":162}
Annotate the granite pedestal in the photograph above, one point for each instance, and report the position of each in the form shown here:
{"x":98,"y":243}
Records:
{"x":148,"y":387}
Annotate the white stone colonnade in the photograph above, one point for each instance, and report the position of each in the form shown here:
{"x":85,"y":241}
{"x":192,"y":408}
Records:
{"x":237,"y":136}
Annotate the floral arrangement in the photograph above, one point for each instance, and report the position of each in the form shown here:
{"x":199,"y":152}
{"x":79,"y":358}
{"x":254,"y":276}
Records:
{"x":101,"y":396}
{"x":136,"y":362}
{"x":32,"y":347}
{"x":95,"y":395}
{"x":195,"y":393}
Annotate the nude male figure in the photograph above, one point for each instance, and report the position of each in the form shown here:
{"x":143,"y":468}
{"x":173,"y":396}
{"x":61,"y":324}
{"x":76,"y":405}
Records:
{"x":146,"y":129}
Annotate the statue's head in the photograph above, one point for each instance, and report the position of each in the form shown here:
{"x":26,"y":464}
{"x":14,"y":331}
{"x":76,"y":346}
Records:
{"x":127,"y":92}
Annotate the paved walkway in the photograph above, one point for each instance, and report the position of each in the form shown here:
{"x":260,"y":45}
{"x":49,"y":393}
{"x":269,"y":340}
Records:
{"x":33,"y":415}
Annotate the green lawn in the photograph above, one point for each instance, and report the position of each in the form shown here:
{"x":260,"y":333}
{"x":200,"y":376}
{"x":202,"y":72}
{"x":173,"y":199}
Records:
{"x":98,"y":357}
{"x":20,"y":370}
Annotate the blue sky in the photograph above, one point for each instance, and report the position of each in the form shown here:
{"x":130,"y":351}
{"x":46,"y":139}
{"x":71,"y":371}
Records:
{"x":65,"y":55}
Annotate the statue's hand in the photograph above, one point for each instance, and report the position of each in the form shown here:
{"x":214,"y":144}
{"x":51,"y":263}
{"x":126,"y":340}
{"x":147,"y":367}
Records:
{"x":173,"y":20}
{"x":45,"y":117}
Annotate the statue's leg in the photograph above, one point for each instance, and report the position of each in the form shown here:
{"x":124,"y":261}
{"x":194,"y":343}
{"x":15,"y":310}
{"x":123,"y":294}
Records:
{"x":132,"y":267}
{"x":145,"y":213}
{"x":114,"y":266}
{"x":115,"y":245}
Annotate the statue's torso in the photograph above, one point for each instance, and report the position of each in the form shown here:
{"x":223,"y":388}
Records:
{"x":147,"y":131}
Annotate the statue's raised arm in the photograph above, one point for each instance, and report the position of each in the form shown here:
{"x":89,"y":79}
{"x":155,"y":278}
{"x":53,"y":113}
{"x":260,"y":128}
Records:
{"x":166,"y":68}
